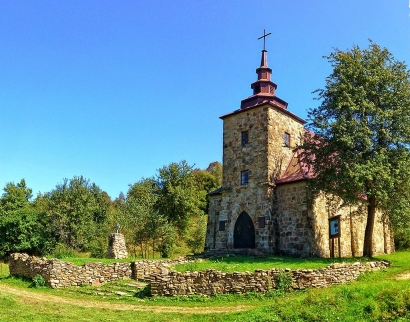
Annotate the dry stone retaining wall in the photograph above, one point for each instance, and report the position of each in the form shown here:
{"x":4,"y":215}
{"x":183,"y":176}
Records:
{"x":62,"y":274}
{"x":212,"y":282}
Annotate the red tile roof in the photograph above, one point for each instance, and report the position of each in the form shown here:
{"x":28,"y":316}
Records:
{"x":296,"y":170}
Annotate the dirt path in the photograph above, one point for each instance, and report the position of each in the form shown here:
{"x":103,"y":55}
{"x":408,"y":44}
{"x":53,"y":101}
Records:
{"x":36,"y":297}
{"x":403,"y":276}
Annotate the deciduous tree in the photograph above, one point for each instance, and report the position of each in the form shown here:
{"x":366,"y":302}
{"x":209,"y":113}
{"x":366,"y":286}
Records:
{"x":179,"y":197}
{"x":360,"y":146}
{"x":15,"y":196}
{"x":77,"y":210}
{"x":22,"y":227}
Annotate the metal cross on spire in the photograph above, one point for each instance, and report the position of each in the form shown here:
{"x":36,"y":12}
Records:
{"x":264,"y":37}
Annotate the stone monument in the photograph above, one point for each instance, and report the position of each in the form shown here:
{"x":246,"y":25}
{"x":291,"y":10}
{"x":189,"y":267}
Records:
{"x":116,"y":245}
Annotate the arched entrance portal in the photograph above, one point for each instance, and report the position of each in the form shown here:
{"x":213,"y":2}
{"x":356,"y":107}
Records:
{"x":244,"y":233}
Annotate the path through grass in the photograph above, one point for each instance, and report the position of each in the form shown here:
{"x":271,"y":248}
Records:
{"x":373,"y":297}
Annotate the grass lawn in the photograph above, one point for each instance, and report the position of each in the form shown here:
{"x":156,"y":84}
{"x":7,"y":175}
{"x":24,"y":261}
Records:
{"x":232,"y":263}
{"x":377,"y":296}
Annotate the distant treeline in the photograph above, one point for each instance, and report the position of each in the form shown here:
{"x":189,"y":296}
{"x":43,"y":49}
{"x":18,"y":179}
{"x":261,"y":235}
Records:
{"x":157,"y":214}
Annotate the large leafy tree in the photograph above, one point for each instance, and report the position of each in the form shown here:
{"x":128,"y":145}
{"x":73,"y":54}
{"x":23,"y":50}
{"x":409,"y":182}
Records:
{"x":25,"y":230}
{"x":179,"y":196}
{"x":360,"y":146}
{"x":15,"y":196}
{"x":142,"y":223}
{"x":22,"y":227}
{"x":77,"y":210}
{"x":155,"y":209}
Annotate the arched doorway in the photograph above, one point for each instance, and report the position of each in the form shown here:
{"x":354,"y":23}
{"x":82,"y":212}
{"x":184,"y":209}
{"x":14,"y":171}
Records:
{"x":244,"y":233}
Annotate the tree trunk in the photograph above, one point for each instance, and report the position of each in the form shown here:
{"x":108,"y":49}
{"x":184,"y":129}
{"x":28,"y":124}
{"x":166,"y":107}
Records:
{"x":352,"y":239}
{"x":368,"y":235}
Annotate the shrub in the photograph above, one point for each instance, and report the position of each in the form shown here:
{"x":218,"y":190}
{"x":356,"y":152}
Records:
{"x":98,"y":247}
{"x":38,"y":281}
{"x":62,"y":251}
{"x":284,"y":281}
{"x":402,"y":239}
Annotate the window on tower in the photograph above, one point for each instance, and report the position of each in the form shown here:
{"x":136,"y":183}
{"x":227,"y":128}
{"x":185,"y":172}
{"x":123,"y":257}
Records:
{"x":261,"y":222}
{"x":286,"y":139}
{"x":244,"y":177}
{"x":244,"y":137}
{"x":222,"y":225}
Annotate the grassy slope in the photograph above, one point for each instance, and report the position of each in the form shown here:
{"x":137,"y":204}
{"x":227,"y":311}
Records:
{"x":374,"y":297}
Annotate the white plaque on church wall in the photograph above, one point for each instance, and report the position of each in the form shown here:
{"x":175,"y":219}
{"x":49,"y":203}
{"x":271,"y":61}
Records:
{"x":334,"y":227}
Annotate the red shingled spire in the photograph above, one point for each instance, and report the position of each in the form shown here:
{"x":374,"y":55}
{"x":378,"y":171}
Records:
{"x":264,"y":85}
{"x":264,"y":90}
{"x":264,"y":59}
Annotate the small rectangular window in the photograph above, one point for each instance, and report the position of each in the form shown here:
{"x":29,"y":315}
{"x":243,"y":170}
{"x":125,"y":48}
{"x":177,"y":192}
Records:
{"x":222,"y":225}
{"x":244,"y":177}
{"x":244,"y":137}
{"x":286,"y":139}
{"x":261,"y":222}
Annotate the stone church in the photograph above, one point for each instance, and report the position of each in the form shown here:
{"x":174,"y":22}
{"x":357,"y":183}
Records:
{"x":263,"y":205}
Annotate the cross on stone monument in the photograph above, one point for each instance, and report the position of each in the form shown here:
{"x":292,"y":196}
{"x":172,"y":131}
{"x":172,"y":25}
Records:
{"x":264,"y":37}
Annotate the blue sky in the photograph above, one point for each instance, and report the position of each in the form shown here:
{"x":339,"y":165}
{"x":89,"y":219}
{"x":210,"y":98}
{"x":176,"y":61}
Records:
{"x":114,"y":90}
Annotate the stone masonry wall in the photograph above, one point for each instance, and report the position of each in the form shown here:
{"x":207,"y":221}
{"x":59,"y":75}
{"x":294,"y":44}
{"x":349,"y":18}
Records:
{"x":303,"y":229}
{"x":211,"y":282}
{"x":352,"y":228}
{"x":293,"y":231}
{"x":62,"y":274}
{"x":215,"y":239}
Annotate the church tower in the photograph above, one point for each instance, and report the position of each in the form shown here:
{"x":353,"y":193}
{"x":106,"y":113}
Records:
{"x":257,"y":146}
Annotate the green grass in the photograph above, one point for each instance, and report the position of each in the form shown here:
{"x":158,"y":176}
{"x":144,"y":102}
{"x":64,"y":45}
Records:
{"x":82,"y":260}
{"x":232,"y":263}
{"x":4,"y":270}
{"x":377,"y":296}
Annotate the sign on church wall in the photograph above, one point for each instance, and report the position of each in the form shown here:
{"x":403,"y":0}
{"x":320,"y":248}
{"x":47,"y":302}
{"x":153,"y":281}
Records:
{"x":334,"y":227}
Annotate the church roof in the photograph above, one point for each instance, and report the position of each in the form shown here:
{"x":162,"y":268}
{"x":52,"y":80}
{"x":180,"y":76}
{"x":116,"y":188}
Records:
{"x":215,"y":192}
{"x":272,"y":104}
{"x":294,"y":172}
{"x":297,"y":170}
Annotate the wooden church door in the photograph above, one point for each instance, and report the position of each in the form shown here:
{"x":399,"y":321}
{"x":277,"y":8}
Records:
{"x":244,"y":233}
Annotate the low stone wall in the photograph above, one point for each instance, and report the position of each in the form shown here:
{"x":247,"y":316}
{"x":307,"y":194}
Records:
{"x":209,"y":282}
{"x":143,"y":269}
{"x":212,"y":282}
{"x":63,"y":274}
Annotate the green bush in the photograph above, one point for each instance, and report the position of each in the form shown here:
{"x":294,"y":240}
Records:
{"x":402,"y":239}
{"x":62,"y":251}
{"x":38,"y":281}
{"x":98,"y":247}
{"x":25,"y":231}
{"x":284,"y":281}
